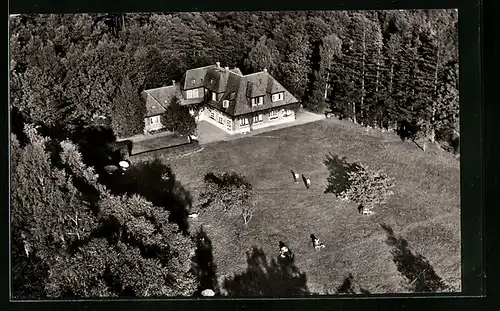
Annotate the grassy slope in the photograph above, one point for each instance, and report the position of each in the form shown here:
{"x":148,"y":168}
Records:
{"x":425,"y":209}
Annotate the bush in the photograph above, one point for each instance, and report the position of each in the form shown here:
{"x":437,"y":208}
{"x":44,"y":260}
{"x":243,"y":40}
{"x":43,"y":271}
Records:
{"x":367,"y":187}
{"x":229,"y":193}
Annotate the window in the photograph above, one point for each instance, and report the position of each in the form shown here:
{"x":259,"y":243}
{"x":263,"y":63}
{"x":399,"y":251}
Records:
{"x":212,"y":115}
{"x":154,"y":120}
{"x":225,"y":104}
{"x":273,"y":114}
{"x":260,"y":100}
{"x":253,"y":102}
{"x":257,"y":118}
{"x":287,"y":113}
{"x":229,"y":125}
{"x":214,"y":96}
{"x":220,"y":120}
{"x":277,"y":97}
{"x":192,"y":94}
{"x":243,"y":122}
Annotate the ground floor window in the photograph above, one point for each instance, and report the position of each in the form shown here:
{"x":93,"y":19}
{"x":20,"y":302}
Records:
{"x":257,"y":118}
{"x":273,"y":114}
{"x":287,"y":113}
{"x":220,"y":120}
{"x":243,"y":121}
{"x":212,"y":114}
{"x":229,"y":125}
{"x":154,"y":120}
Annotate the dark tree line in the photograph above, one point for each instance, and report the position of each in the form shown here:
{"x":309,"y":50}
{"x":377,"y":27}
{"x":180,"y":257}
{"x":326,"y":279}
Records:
{"x":379,"y":68}
{"x":72,"y":237}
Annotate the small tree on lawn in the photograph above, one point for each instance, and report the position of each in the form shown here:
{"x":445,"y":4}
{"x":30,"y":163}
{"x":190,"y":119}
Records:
{"x":367,"y":187}
{"x":178,"y":119}
{"x":229,"y":193}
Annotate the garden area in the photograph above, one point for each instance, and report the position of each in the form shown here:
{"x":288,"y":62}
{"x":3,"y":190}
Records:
{"x":411,"y":240}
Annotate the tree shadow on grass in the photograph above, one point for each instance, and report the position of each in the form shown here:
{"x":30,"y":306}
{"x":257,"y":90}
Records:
{"x":278,"y":278}
{"x":414,"y":267}
{"x":339,"y":168}
{"x":348,"y":286}
{"x":157,"y":183}
{"x":203,"y":262}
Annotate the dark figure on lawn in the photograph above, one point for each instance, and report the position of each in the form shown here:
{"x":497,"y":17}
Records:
{"x":307,"y":181}
{"x":360,"y":208}
{"x":295,"y":176}
{"x":285,"y":251}
{"x":316,"y":243}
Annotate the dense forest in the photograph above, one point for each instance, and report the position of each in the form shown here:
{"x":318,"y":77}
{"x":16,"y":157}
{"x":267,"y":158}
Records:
{"x":71,"y":235}
{"x":382,"y":69}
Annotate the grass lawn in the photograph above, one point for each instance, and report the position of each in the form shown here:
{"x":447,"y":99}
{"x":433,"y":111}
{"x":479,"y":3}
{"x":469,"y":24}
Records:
{"x":155,"y":143}
{"x":424,"y":210}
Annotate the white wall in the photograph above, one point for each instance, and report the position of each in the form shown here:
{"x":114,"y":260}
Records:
{"x":267,"y":122}
{"x":215,"y":122}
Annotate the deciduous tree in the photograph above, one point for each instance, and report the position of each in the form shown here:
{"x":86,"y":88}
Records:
{"x":229,"y":193}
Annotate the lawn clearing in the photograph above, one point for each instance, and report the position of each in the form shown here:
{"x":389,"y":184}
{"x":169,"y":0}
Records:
{"x":424,"y":210}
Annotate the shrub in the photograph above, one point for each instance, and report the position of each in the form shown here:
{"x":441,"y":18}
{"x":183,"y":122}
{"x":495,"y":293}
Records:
{"x":367,"y":187}
{"x":230,"y":193}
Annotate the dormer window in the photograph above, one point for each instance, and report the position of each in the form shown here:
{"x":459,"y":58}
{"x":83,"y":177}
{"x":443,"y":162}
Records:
{"x":192,"y":93}
{"x":225,"y":104}
{"x":277,"y":97}
{"x":214,"y":96}
{"x":212,"y":81}
{"x":257,"y":101}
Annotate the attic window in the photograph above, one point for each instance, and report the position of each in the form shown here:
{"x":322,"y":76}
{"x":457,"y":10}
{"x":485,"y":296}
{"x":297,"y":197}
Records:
{"x":225,"y":104}
{"x":232,"y":96}
{"x":212,"y":80}
{"x":193,"y":81}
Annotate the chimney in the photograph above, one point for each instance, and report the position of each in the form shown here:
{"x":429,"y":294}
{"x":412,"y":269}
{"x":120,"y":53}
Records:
{"x":173,"y":82}
{"x":265,"y":70}
{"x":217,"y":64}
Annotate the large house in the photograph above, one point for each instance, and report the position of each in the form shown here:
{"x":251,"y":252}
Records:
{"x":224,"y":97}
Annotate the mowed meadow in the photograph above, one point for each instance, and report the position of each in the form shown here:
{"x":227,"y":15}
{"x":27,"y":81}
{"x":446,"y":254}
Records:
{"x":424,"y":210}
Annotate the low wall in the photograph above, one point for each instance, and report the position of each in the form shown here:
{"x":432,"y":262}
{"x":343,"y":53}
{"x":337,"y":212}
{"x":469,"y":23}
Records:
{"x":165,"y":153}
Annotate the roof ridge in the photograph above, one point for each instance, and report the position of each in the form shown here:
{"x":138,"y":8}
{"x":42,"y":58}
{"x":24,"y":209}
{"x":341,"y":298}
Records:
{"x":200,"y":67}
{"x":255,"y":73}
{"x":235,"y":72}
{"x":157,"y":88}
{"x":156,"y":100}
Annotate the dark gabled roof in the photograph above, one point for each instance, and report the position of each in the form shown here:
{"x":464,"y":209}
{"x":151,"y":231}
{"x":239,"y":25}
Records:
{"x":236,"y":71}
{"x":254,"y":90}
{"x":158,"y":99}
{"x":259,"y":83}
{"x":195,"y":78}
{"x":216,"y":79}
{"x":274,"y":86}
{"x":236,"y":88}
